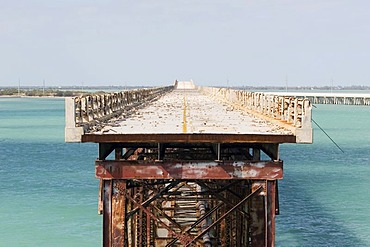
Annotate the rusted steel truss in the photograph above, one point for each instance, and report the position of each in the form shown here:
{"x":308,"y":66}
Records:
{"x":160,"y":197}
{"x":137,"y":213}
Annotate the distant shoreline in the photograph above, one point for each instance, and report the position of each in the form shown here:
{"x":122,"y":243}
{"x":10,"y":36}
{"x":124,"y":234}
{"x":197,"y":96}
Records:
{"x":25,"y":96}
{"x":17,"y":93}
{"x":56,"y":92}
{"x":62,"y":92}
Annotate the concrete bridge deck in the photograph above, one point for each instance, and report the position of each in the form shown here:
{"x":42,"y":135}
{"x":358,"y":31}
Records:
{"x":214,"y":113}
{"x":187,"y":114}
{"x":189,"y":111}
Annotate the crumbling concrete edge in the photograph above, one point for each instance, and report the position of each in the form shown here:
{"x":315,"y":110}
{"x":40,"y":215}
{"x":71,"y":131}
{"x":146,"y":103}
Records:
{"x":72,"y":133}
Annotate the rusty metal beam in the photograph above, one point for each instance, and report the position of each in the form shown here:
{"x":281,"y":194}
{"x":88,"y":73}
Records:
{"x":272,"y":150}
{"x":150,"y":200}
{"x":257,"y":209}
{"x":256,"y":154}
{"x":220,"y":197}
{"x":277,"y":205}
{"x":173,"y":222}
{"x":100,"y":196}
{"x":184,"y":238}
{"x":188,"y":138}
{"x":118,"y":153}
{"x":128,"y":153}
{"x":225,"y":215}
{"x":118,"y":213}
{"x":161,"y":151}
{"x":107,"y":214}
{"x":188,"y":229}
{"x":105,"y":149}
{"x":223,"y":187}
{"x":270,"y":213}
{"x":270,"y":170}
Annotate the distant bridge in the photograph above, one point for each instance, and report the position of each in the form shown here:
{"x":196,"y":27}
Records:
{"x":186,"y":165}
{"x":329,"y":98}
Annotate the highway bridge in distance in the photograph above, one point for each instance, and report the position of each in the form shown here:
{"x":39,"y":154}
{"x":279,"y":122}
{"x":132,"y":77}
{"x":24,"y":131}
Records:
{"x":188,"y":166}
{"x":334,"y":98}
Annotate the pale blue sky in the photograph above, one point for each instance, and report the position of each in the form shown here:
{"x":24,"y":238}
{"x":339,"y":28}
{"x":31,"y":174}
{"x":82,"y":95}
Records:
{"x":153,"y":42}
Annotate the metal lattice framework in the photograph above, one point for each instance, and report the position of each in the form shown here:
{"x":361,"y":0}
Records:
{"x":180,"y":202}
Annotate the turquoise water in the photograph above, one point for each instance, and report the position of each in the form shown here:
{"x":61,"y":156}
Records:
{"x":49,"y":193}
{"x":325,"y":193}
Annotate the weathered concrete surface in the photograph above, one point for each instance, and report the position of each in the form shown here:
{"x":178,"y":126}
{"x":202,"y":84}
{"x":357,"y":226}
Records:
{"x":189,"y":111}
{"x":72,"y":132}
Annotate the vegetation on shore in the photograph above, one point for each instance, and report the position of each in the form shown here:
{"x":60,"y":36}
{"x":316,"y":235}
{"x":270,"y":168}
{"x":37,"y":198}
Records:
{"x":69,"y":91}
{"x":39,"y":92}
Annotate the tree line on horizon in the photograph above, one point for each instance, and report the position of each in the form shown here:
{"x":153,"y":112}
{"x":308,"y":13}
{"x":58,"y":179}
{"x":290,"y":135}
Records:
{"x":39,"y":92}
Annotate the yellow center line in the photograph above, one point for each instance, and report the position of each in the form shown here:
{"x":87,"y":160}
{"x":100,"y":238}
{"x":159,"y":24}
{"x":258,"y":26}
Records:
{"x":190,"y":121}
{"x":184,"y":127}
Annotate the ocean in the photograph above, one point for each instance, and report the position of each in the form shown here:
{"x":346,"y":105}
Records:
{"x":49,"y":193}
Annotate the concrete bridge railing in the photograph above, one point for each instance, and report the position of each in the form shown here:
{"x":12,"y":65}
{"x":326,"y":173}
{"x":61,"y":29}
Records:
{"x":86,"y":111}
{"x":290,"y":112}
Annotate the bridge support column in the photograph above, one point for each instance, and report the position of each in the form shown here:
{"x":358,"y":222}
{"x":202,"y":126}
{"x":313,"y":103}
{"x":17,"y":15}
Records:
{"x":114,"y":211}
{"x":262,"y":213}
{"x":147,"y":203}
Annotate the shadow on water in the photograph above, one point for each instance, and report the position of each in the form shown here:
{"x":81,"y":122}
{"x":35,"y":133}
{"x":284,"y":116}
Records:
{"x":318,"y":203}
{"x":305,"y":221}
